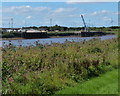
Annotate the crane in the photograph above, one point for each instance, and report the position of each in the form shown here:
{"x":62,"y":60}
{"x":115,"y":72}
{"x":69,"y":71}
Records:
{"x":86,"y":29}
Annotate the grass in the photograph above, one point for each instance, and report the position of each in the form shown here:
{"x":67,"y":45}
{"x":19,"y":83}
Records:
{"x":45,"y":69}
{"x":104,"y":84}
{"x":113,"y":32}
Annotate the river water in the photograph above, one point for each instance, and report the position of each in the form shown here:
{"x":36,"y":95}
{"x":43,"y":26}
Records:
{"x":28,"y":42}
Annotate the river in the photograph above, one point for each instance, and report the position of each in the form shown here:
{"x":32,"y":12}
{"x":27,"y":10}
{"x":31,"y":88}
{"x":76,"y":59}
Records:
{"x":28,"y":42}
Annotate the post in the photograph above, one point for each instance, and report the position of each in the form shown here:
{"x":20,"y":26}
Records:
{"x":11,"y":23}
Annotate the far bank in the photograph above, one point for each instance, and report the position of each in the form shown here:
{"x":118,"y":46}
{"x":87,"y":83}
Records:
{"x":19,"y":36}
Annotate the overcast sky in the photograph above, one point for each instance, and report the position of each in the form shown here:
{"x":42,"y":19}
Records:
{"x":61,"y":13}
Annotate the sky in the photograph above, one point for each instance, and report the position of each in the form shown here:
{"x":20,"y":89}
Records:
{"x":60,"y":13}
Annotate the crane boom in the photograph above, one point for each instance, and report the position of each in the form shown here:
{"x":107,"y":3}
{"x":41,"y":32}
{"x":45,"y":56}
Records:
{"x":84,"y":23}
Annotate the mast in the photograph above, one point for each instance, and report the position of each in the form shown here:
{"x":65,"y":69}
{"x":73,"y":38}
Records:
{"x":11,"y":22}
{"x":50,"y":22}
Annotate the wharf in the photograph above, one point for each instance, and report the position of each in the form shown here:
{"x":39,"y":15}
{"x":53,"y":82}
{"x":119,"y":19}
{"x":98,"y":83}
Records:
{"x":88,"y":34}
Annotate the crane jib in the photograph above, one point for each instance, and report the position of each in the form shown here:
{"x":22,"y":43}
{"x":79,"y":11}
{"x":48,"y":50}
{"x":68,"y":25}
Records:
{"x":84,"y":23}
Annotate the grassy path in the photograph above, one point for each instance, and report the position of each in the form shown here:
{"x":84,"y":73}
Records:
{"x":105,"y":84}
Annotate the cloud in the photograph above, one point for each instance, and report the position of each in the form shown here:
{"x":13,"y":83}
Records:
{"x":116,"y":13}
{"x":100,"y":12}
{"x":64,"y":15}
{"x":104,"y":12}
{"x":65,"y":10}
{"x":73,"y":15}
{"x":24,"y":9}
{"x":94,"y":13}
{"x":28,"y":6}
{"x":72,"y":1}
{"x":107,"y":19}
{"x":29,"y":17}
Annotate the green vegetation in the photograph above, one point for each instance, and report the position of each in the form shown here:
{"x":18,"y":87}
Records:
{"x":45,"y":69}
{"x":63,"y":28}
{"x":62,"y":31}
{"x":106,"y":29}
{"x":104,"y":84}
{"x":11,"y":34}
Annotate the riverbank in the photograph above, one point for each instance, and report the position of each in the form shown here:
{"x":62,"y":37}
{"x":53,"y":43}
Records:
{"x":18,"y":36}
{"x":45,"y":69}
{"x":37,"y":38}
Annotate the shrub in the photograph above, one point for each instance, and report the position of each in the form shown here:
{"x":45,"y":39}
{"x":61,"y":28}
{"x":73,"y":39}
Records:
{"x":44,"y":69}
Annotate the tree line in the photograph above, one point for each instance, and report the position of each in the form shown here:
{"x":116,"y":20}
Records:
{"x":63,"y":28}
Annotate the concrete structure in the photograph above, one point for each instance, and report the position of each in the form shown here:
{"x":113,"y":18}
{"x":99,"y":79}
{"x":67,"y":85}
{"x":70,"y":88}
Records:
{"x":88,"y":34}
{"x":32,"y":31}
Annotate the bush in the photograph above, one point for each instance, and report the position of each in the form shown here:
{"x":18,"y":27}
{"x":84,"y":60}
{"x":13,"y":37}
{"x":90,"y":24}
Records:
{"x":45,"y":69}
{"x":10,"y":34}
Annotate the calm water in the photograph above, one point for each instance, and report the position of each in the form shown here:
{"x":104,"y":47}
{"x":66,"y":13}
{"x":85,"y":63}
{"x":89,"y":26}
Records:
{"x":28,"y":42}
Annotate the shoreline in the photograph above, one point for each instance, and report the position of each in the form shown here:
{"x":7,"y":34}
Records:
{"x":20,"y":38}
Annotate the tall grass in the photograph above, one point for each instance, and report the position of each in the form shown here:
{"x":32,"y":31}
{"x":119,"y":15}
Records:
{"x":44,"y":69}
{"x":104,"y":84}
